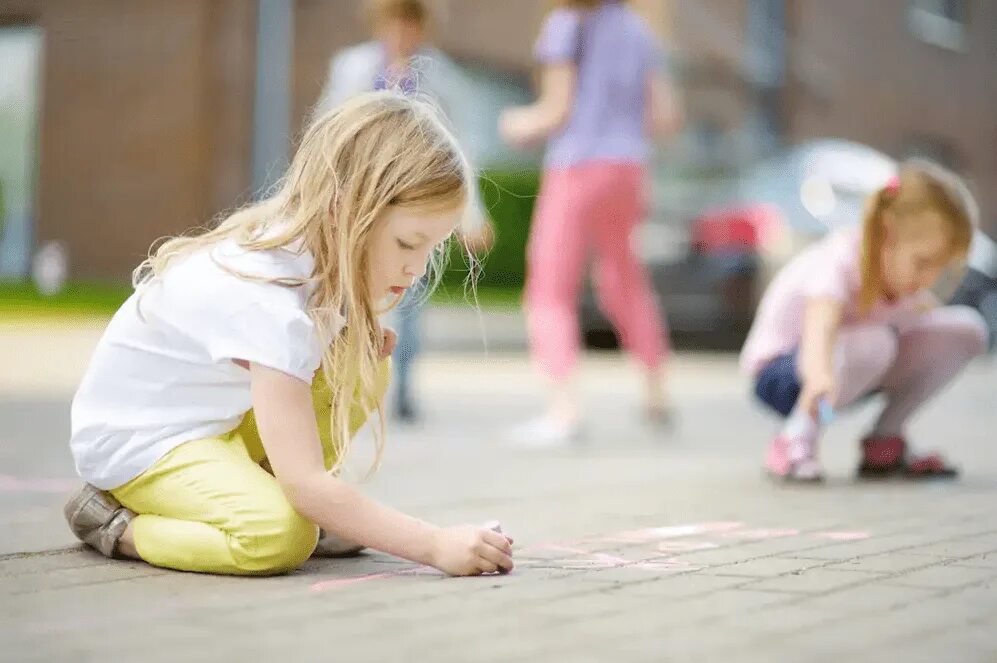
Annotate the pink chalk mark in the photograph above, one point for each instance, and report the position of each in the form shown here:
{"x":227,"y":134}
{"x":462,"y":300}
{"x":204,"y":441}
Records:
{"x":685,"y":546}
{"x":843,"y":536}
{"x":576,"y":564}
{"x":336,"y":583}
{"x":667,"y":564}
{"x":585,"y":559}
{"x":670,"y":532}
{"x":12,"y":484}
{"x":759,"y":534}
{"x":612,"y":560}
{"x":343,"y":582}
{"x":555,"y":547}
{"x":603,"y":562}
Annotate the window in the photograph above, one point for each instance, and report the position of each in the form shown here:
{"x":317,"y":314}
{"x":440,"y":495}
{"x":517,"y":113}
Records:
{"x":940,"y":23}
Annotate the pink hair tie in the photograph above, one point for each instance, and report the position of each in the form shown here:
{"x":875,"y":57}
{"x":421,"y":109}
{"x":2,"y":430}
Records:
{"x":893,"y":184}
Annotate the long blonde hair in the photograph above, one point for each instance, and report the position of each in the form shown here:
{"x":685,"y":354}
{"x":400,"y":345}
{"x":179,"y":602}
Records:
{"x":376,"y":150}
{"x":921,"y":186}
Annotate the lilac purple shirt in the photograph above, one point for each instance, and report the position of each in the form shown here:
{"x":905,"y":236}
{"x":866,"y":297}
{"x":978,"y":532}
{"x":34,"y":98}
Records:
{"x":615,"y":52}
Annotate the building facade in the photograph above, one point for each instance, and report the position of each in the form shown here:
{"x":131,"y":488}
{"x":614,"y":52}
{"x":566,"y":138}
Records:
{"x":145,"y":120}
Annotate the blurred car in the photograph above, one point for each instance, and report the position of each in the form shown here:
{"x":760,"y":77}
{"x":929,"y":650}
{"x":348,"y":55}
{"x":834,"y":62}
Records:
{"x":710,"y":272}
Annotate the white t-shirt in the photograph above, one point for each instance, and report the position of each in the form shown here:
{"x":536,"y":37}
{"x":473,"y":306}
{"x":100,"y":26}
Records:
{"x":167,"y":377}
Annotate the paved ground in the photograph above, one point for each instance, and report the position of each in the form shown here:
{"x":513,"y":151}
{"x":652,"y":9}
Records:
{"x":636,"y":545}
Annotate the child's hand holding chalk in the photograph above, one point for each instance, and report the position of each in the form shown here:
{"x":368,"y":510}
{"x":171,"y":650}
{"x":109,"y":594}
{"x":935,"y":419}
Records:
{"x":817,"y":394}
{"x":471,"y":550}
{"x":496,"y":527}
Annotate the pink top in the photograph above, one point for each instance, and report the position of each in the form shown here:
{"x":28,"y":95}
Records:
{"x":828,"y":269}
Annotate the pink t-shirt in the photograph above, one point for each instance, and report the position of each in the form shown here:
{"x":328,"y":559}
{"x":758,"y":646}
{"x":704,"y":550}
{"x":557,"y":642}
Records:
{"x":828,"y":269}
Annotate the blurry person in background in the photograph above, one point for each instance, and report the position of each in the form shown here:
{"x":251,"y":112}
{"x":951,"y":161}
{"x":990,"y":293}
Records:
{"x":400,"y":58}
{"x":603,"y":97}
{"x":853,"y":315}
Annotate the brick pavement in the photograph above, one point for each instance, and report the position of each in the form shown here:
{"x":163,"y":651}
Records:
{"x":636,"y":545}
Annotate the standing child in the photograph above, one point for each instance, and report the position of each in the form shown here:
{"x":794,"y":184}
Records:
{"x":225,"y":391}
{"x":852,"y":315}
{"x":602,"y":99}
{"x":400,"y":58}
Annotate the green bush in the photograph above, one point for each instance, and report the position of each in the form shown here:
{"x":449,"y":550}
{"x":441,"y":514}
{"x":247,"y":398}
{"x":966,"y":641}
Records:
{"x":508,"y":196}
{"x":77,"y":298}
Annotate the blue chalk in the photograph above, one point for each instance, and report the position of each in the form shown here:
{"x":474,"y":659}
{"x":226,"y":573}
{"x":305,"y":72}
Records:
{"x":825,"y":412}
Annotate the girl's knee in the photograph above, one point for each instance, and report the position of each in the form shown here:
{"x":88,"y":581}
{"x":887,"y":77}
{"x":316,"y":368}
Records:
{"x":973,"y":327}
{"x":878,"y":346}
{"x":962,"y":326}
{"x":274,"y":542}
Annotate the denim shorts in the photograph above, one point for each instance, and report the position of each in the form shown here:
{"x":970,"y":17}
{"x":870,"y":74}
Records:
{"x":778,"y":385}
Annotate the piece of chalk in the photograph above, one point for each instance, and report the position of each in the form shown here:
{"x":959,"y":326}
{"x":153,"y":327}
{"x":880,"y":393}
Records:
{"x":825,"y":412}
{"x":496,"y":527}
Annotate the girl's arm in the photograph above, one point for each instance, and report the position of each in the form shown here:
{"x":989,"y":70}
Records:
{"x":526,"y":125}
{"x":286,"y":421}
{"x":663,"y":111}
{"x":821,"y":321}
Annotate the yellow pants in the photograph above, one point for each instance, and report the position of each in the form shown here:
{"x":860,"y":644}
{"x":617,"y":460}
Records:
{"x":211,"y":506}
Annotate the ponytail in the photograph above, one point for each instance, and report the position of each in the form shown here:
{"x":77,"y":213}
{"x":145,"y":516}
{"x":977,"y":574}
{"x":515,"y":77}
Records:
{"x":873,"y":237}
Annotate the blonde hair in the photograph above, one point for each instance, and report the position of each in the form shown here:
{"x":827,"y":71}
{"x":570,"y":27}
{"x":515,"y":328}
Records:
{"x":381,"y":11}
{"x":922,"y":186}
{"x":376,"y":150}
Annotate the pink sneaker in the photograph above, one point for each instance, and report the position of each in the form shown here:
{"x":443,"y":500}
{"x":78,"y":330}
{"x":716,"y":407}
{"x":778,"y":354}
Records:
{"x":793,"y":460}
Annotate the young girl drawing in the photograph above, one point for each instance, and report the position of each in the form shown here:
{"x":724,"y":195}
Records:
{"x":224,"y":393}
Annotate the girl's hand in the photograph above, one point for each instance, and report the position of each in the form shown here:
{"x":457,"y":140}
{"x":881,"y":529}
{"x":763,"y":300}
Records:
{"x":526,"y":125}
{"x":821,"y":322}
{"x":516,"y":127}
{"x":471,"y":551}
{"x":822,"y":386}
{"x":390,"y":340}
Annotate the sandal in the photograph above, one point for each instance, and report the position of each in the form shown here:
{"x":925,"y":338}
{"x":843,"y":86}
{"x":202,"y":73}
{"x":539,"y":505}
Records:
{"x":885,"y":457}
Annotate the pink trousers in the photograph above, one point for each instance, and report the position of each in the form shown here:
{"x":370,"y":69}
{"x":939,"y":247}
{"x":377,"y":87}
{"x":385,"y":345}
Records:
{"x":589,"y":211}
{"x":909,"y":365}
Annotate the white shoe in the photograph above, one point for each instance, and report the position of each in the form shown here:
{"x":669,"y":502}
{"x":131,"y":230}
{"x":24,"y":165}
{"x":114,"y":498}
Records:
{"x":545,"y":432}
